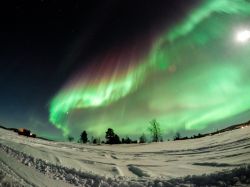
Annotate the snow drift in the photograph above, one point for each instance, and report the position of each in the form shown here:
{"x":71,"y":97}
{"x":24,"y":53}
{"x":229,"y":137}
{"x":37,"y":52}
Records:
{"x":218,"y":160}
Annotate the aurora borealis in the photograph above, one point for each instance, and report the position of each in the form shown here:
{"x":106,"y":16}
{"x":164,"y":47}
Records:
{"x":192,"y":75}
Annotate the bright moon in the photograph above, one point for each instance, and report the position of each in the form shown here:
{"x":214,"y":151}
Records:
{"x":243,"y":36}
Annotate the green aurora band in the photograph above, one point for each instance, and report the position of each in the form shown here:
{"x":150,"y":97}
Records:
{"x":194,"y":75}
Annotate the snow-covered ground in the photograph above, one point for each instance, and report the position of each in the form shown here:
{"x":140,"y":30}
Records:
{"x":35,"y":162}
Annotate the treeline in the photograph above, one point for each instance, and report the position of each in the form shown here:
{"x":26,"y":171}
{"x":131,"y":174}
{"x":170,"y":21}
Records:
{"x":155,"y":136}
{"x":178,"y":136}
{"x":112,"y":138}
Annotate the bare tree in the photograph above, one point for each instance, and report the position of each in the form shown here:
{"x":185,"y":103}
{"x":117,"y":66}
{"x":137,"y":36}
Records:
{"x":155,"y":130}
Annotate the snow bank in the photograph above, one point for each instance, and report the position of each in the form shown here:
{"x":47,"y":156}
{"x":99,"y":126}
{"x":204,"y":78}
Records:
{"x":237,"y":176}
{"x":219,"y":160}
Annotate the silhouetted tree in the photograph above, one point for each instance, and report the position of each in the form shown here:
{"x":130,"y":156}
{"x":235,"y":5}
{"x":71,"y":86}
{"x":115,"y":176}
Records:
{"x":84,"y":137}
{"x":155,"y":130}
{"x":70,"y":138}
{"x":117,"y":139}
{"x":134,"y":141}
{"x":143,"y":139}
{"x":126,"y":140}
{"x":123,"y":140}
{"x":177,"y":136}
{"x":95,"y":140}
{"x":111,"y":137}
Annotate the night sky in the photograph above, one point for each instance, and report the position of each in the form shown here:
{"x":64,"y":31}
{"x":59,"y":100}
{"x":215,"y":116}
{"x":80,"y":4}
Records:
{"x":68,"y":66}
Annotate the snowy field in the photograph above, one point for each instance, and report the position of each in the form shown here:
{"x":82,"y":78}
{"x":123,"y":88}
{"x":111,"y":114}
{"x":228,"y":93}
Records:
{"x":218,"y":160}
